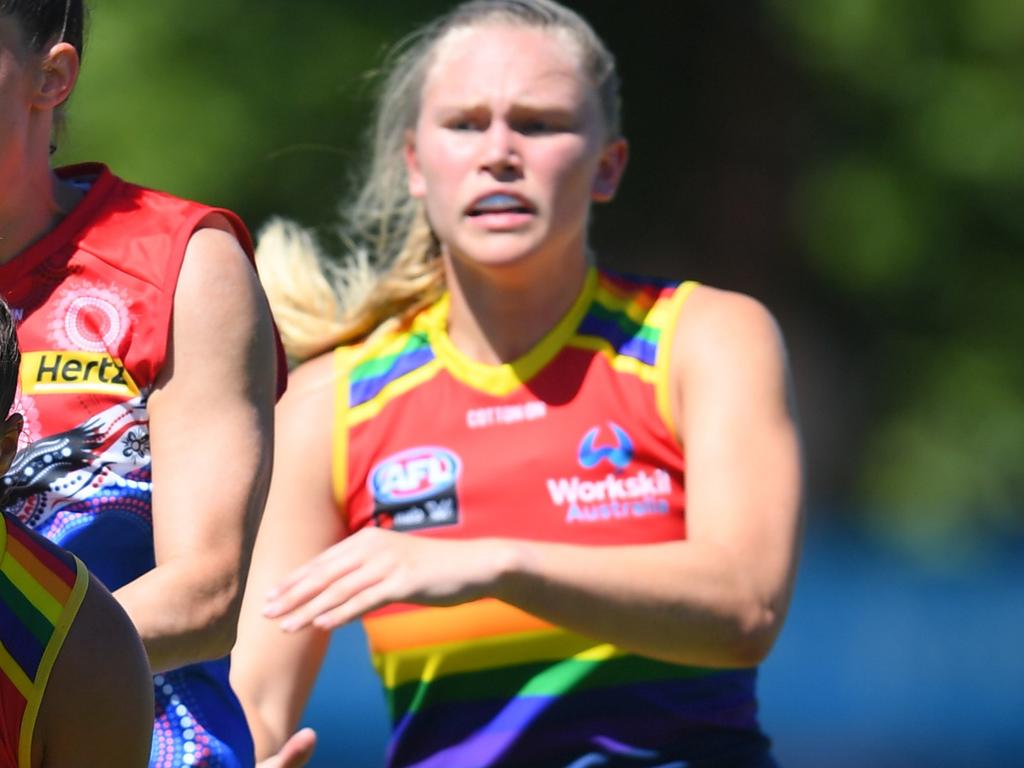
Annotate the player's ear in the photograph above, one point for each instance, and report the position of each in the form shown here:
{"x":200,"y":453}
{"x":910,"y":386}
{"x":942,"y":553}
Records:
{"x":58,"y":75}
{"x":417,"y":184}
{"x":10,"y":430}
{"x":610,"y":170}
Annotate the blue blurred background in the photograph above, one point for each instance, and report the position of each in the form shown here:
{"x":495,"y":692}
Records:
{"x":856,"y":164}
{"x":882,"y":662}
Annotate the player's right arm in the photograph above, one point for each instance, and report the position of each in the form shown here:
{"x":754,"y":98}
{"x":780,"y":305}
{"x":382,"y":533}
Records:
{"x":98,"y":706}
{"x":273,"y":671}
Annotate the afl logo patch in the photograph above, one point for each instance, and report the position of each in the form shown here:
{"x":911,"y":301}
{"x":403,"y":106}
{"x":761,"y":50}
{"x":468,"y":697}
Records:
{"x":416,"y":488}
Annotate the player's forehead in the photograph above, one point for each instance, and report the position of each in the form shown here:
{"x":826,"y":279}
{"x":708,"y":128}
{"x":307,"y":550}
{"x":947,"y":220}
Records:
{"x":497,"y":60}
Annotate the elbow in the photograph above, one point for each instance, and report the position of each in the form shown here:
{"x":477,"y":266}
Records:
{"x":216,"y":622}
{"x":752,"y":635}
{"x":224,"y":632}
{"x":221,"y":639}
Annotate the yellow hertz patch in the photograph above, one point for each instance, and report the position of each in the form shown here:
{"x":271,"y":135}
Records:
{"x":59,"y":372}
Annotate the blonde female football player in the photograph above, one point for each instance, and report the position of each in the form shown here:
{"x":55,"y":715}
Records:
{"x":565,"y":502}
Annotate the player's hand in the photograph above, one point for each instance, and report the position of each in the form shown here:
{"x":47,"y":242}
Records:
{"x":295,"y":753}
{"x":375,"y":567}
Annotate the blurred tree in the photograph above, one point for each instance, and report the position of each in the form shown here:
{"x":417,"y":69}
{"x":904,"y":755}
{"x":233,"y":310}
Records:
{"x":911,"y":207}
{"x":258,"y":106}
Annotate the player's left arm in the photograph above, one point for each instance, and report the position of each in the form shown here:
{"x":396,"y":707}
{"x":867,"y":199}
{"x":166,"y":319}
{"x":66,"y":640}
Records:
{"x":211,"y":437}
{"x":717,"y":598}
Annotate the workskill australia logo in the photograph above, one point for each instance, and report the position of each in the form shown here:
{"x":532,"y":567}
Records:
{"x":620,"y":494}
{"x":416,"y":489}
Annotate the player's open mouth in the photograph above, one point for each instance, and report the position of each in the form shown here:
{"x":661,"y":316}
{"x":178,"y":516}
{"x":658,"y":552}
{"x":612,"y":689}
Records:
{"x":499,"y":203}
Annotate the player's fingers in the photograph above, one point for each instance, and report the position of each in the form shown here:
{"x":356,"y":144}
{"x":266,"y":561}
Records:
{"x":335,"y":594}
{"x":314,"y":578}
{"x":295,"y":753}
{"x":337,"y":555}
{"x":372,"y":597}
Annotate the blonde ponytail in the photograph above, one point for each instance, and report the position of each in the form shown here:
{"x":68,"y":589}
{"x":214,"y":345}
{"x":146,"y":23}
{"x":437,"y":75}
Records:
{"x":319,"y":304}
{"x":307,"y":292}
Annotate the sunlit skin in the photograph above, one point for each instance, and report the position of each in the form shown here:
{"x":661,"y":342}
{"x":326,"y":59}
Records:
{"x":15,"y":96}
{"x":32,"y":85}
{"x":509,"y":151}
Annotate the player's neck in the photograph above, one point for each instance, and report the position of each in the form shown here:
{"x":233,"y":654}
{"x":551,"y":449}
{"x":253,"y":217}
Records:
{"x":31,"y":209}
{"x":498,"y":323}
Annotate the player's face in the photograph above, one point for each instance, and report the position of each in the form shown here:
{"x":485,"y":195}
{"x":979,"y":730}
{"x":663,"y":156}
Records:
{"x":510,"y":147}
{"x":15,"y":80}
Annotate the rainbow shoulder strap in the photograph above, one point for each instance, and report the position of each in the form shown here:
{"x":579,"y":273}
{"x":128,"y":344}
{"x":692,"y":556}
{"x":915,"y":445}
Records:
{"x":41,"y":590}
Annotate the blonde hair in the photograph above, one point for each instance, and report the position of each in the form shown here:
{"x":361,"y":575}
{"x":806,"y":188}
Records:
{"x":393,"y":267}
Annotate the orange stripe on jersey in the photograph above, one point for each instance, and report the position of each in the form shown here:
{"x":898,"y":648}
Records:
{"x":433,"y":626}
{"x":50,"y":580}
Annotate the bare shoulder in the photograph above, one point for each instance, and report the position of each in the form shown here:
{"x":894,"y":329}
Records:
{"x":98,"y":705}
{"x":712,"y":316}
{"x":221,"y":328}
{"x":314,"y":376}
{"x":719,"y":327}
{"x":728,"y":350}
{"x":216,"y":264}
{"x":305,"y":415}
{"x":311,"y":386}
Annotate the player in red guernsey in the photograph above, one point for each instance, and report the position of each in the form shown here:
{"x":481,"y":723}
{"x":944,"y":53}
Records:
{"x":74,"y":682}
{"x":565,"y":502}
{"x":147,"y":387}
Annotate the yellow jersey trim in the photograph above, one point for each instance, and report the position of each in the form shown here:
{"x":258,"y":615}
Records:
{"x":339,"y":458}
{"x":663,"y":361}
{"x":53,"y":649}
{"x":500,"y":380}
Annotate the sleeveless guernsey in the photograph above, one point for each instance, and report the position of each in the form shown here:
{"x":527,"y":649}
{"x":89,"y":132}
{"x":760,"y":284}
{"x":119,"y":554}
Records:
{"x":41,"y":588}
{"x":93,"y":303}
{"x":571,"y":443}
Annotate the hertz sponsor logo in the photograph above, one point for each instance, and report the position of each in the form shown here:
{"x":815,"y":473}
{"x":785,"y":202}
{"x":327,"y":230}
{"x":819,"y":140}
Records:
{"x":58,"y":372}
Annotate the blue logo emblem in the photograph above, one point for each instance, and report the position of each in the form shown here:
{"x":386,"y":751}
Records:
{"x":618,"y":455}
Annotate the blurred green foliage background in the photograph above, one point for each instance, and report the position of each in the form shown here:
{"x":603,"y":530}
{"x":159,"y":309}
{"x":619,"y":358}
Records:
{"x":857,"y":164}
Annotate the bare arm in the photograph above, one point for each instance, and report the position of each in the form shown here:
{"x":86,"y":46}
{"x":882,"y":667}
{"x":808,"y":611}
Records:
{"x":716,"y":599}
{"x":98,"y":705}
{"x":301,"y":520}
{"x":211,"y":427}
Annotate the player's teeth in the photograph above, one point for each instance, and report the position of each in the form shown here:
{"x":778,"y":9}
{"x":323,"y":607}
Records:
{"x":498,"y":201}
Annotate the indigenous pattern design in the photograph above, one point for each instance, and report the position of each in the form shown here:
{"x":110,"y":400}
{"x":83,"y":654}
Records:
{"x":486,"y":684}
